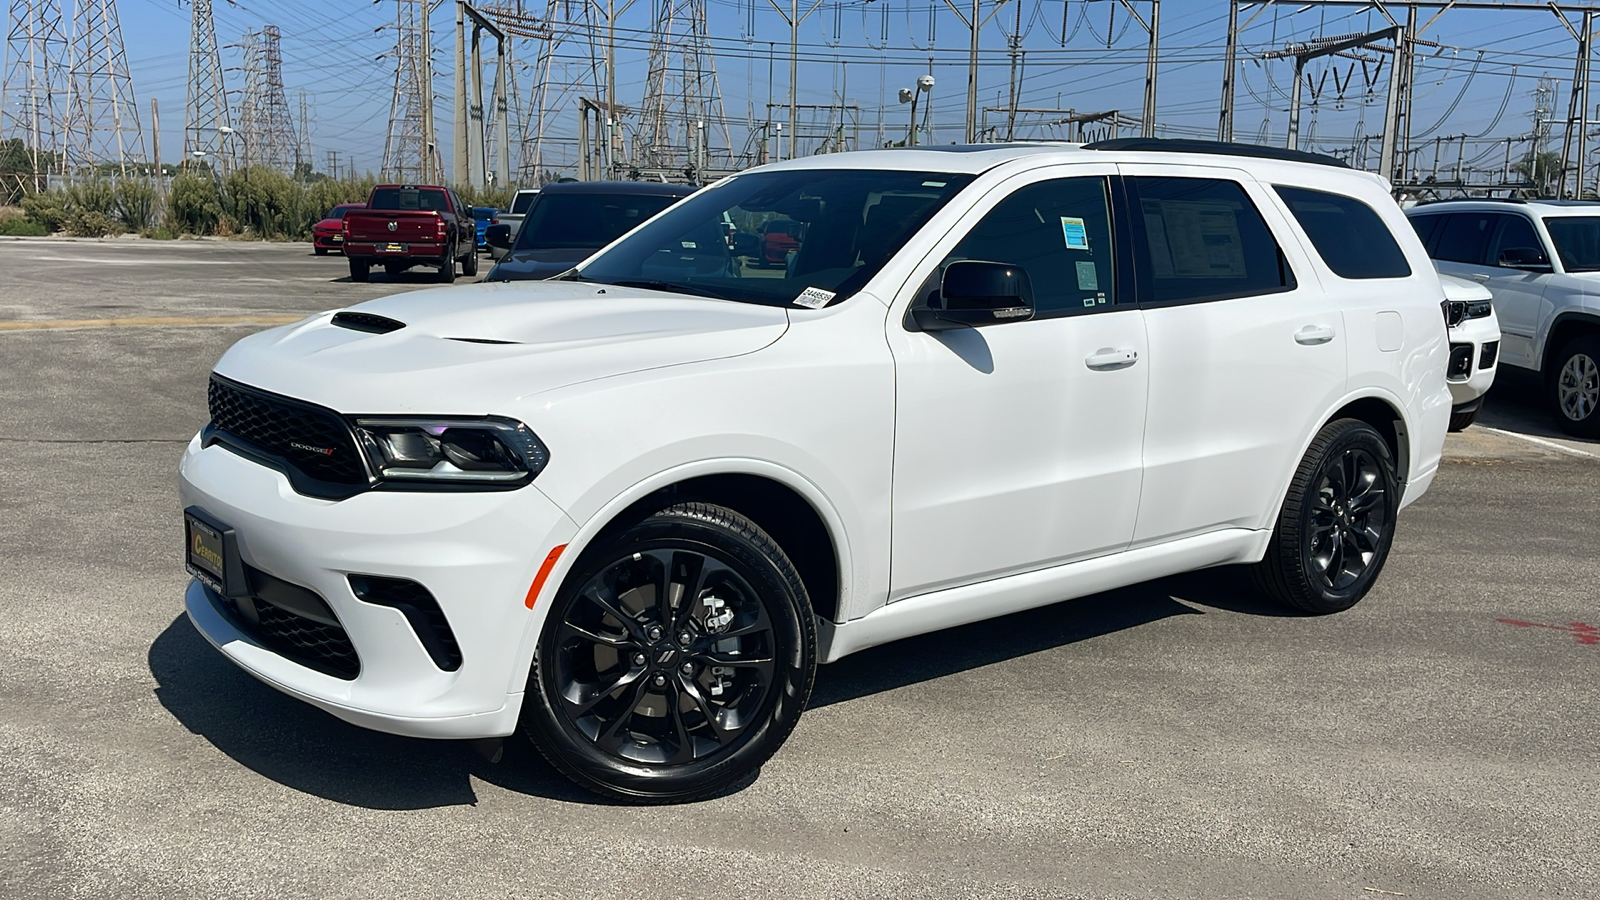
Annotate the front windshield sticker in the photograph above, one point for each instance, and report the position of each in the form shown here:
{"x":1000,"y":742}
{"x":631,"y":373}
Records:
{"x":814,"y":298}
{"x":1077,"y":237}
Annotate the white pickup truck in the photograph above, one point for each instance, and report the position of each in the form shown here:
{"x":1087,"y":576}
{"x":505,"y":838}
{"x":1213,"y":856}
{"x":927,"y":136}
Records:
{"x":513,"y":217}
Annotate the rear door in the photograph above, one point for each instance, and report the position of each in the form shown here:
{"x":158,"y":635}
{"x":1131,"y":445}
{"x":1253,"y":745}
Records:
{"x":1246,"y":348}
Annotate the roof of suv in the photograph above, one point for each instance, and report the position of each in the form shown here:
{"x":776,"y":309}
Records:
{"x":1500,"y":204}
{"x":619,"y":188}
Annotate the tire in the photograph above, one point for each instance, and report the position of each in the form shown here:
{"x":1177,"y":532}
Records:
{"x":360,"y":270}
{"x":1574,"y":387}
{"x":1344,"y":489}
{"x":1461,"y":421}
{"x":627,"y":742}
{"x":469,"y":265}
{"x":393,"y":269}
{"x":447,"y":270}
{"x":320,"y":251}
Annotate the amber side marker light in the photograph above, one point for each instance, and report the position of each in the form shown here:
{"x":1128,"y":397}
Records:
{"x":544,"y":572}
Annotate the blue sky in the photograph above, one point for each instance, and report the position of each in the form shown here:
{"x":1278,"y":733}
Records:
{"x":1488,"y":60}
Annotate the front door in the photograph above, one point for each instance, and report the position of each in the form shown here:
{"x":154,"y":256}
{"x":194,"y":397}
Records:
{"x":1469,"y":245}
{"x":1017,"y":444}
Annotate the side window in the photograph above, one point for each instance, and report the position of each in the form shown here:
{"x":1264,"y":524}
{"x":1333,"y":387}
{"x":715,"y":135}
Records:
{"x":1202,"y":239}
{"x":1058,"y":231}
{"x":1427,"y":229}
{"x":1348,"y":234}
{"x":1465,"y":238}
{"x":1516,"y":233}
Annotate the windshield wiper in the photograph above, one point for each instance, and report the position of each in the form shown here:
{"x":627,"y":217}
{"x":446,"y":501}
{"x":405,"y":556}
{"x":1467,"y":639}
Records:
{"x":671,"y":286}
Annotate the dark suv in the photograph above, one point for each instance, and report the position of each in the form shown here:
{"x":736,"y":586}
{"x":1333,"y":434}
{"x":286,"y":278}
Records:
{"x":571,"y":220}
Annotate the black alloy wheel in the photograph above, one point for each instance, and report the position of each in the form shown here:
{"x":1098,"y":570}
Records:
{"x":675,"y":659}
{"x":1337,"y":524}
{"x":1574,"y":387}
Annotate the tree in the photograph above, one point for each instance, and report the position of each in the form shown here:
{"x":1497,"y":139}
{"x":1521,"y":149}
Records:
{"x":1541,"y":170}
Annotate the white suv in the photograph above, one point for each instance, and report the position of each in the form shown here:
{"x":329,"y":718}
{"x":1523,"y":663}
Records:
{"x":631,"y":510}
{"x":1541,"y":262}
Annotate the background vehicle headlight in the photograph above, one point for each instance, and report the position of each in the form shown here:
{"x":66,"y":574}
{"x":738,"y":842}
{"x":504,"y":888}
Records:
{"x":487,"y":451}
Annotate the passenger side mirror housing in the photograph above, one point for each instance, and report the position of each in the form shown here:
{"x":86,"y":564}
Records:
{"x":745,"y":244}
{"x":975,"y":293}
{"x":498,"y":236}
{"x":1526,"y":258}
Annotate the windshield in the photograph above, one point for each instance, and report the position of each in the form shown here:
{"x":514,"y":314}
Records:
{"x":1577,"y":239}
{"x":484,"y":213}
{"x":768,"y":237}
{"x":339,"y":211}
{"x":585,"y":221}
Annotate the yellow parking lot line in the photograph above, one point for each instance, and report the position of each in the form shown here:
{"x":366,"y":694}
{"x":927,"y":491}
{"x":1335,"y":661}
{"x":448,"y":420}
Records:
{"x":146,"y":322}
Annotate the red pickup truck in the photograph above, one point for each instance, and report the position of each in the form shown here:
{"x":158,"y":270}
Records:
{"x":405,"y":225}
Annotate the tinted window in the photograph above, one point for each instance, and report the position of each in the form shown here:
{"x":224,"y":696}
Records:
{"x":1059,"y":232}
{"x":523,"y":200}
{"x":1516,"y":233}
{"x":1427,"y":229}
{"x":1348,"y":234}
{"x":1202,"y":239}
{"x":1577,"y":239}
{"x":585,"y":221}
{"x":426,"y":200}
{"x":1464,"y":238}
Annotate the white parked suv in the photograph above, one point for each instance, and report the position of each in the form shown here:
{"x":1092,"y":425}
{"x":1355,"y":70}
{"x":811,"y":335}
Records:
{"x":1474,"y":347}
{"x":630,"y":510}
{"x":1541,"y":262}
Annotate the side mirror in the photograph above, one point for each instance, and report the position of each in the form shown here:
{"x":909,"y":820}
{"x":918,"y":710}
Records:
{"x":1524,"y":258}
{"x":745,"y":244}
{"x":977,"y":293}
{"x":498,"y":236}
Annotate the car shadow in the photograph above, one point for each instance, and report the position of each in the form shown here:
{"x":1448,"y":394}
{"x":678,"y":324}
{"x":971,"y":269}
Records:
{"x":305,"y":749}
{"x":1517,"y":402}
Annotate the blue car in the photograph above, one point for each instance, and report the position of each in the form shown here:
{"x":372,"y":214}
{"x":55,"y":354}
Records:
{"x":485,"y":216}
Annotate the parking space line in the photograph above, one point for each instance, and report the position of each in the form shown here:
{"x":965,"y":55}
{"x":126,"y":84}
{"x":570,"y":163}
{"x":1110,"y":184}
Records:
{"x":1540,"y":441}
{"x":146,"y":322}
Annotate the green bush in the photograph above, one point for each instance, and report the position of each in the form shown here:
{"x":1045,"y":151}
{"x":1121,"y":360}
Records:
{"x":20,"y":227}
{"x":135,"y":203}
{"x":265,"y":203}
{"x":497,"y":198}
{"x":195,"y":204}
{"x":48,"y":209}
{"x":94,"y":196}
{"x":89,"y":223}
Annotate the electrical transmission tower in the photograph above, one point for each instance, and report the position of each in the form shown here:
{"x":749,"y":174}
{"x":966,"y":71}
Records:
{"x":102,"y":115}
{"x":682,"y":101}
{"x":548,"y":99}
{"x":206,"y":125}
{"x":405,"y":147}
{"x":269,"y":134}
{"x":34,"y":86}
{"x":513,"y":21}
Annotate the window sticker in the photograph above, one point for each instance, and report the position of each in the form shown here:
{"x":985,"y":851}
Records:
{"x":1088,"y":302}
{"x":1088,"y":278}
{"x":1077,"y":237}
{"x":934,"y":184}
{"x":814,"y":298}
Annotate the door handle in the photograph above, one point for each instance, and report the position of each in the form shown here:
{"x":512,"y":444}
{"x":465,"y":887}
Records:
{"x":1312,"y":335}
{"x":1480,"y":277}
{"x":1108,"y":359}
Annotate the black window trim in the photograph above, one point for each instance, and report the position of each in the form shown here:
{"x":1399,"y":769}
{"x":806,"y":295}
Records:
{"x":1141,"y":246}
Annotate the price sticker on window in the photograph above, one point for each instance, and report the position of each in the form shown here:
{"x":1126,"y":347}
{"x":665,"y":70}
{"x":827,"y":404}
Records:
{"x":1076,"y":236}
{"x":814,"y":298}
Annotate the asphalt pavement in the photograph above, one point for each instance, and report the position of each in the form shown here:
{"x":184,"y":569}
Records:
{"x":1177,"y":739}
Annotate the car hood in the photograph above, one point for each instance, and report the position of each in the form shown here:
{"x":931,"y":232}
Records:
{"x":471,"y":350}
{"x":329,"y":225}
{"x":529,"y":265}
{"x":1462,"y":288}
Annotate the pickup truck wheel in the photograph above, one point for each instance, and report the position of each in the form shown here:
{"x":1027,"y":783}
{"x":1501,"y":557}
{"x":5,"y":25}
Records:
{"x":1575,"y":387}
{"x":447,"y":270}
{"x":360,"y":270}
{"x":675,"y":659}
{"x":469,"y":263}
{"x":1337,"y":523}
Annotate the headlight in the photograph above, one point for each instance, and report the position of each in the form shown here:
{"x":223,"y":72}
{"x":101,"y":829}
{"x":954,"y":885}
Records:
{"x":1458,"y":311}
{"x":485,"y":452}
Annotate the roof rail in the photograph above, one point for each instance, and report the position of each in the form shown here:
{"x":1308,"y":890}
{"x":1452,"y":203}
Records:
{"x":1217,"y":148}
{"x":1471,"y":200}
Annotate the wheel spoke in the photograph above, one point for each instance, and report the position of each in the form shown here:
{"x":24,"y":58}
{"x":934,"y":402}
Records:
{"x":595,"y":637}
{"x":610,"y":736}
{"x":1365,"y":540}
{"x":614,"y":609}
{"x":580,"y":707}
{"x":723,"y":734}
{"x":685,"y":752}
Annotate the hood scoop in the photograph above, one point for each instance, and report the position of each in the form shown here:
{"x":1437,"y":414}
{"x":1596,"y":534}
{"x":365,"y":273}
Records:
{"x":368,"y":322}
{"x":481,"y":341}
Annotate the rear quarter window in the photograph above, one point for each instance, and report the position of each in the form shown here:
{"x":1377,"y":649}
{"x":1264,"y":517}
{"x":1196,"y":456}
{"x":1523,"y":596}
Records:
{"x":1348,"y":234}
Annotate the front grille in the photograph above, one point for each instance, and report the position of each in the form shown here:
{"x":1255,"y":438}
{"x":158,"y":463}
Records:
{"x":325,"y":647}
{"x":308,"y":438}
{"x":420,"y":609}
{"x":1460,"y":361}
{"x":1491,"y":352}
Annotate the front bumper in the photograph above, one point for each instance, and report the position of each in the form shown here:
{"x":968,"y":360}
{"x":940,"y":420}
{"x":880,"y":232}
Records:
{"x":477,"y":553}
{"x":1479,"y":341}
{"x":331,"y":240}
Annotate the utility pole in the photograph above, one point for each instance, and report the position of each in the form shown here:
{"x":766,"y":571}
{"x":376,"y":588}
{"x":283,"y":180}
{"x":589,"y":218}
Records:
{"x":1577,"y":110}
{"x":470,"y":164}
{"x":1014,"y":39}
{"x":34,"y":83}
{"x":155,"y":143}
{"x":1229,"y":66}
{"x":102,"y":115}
{"x":794,"y":17}
{"x":205,"y":117}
